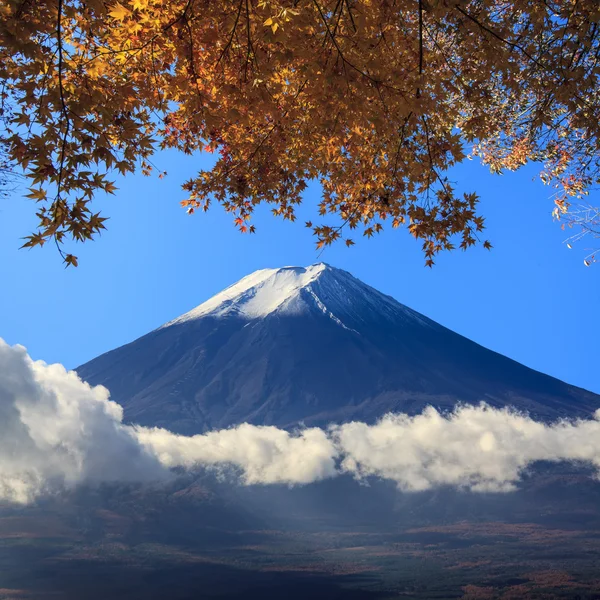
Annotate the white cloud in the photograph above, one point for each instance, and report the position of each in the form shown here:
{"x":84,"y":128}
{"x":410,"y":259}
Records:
{"x":475,"y":447}
{"x":56,"y":431}
{"x":263,"y":454}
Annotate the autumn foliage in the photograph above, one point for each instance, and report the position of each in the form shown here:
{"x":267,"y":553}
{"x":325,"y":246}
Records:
{"x":375,"y":99}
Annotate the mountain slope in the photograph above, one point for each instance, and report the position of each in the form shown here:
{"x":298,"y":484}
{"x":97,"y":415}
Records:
{"x":312,"y":345}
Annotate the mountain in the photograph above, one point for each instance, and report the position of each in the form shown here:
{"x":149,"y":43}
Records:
{"x":312,"y":345}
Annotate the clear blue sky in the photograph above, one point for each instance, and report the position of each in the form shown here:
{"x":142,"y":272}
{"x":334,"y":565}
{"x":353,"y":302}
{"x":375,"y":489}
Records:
{"x":529,"y":298}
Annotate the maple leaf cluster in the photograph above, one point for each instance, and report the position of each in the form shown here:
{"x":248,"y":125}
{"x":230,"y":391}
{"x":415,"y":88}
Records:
{"x":374,"y":99}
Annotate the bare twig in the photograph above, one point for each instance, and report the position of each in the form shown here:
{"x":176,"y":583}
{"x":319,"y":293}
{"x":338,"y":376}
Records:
{"x":420,"y":45}
{"x":228,"y":44}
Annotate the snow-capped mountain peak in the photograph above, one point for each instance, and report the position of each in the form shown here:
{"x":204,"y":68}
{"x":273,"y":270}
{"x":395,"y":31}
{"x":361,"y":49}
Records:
{"x":312,"y":345}
{"x":298,"y":290}
{"x":258,"y":294}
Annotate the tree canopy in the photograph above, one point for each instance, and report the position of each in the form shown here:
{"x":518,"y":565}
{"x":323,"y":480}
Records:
{"x":375,"y":99}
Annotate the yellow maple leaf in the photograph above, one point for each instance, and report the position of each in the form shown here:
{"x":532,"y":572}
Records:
{"x":119,"y":12}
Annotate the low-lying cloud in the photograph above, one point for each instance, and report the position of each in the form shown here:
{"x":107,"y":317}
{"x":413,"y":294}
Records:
{"x":264,"y":455}
{"x":57,"y":432}
{"x":475,"y":447}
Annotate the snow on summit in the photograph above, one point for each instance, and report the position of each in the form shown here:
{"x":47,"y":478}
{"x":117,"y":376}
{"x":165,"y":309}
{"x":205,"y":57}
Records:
{"x":295,"y":290}
{"x":258,"y":294}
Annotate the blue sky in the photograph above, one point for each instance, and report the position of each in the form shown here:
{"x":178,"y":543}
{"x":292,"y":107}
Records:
{"x":529,"y":298}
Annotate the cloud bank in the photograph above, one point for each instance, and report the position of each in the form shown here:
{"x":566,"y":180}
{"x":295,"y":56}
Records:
{"x":57,"y":432}
{"x":475,"y":447}
{"x":263,"y":455}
